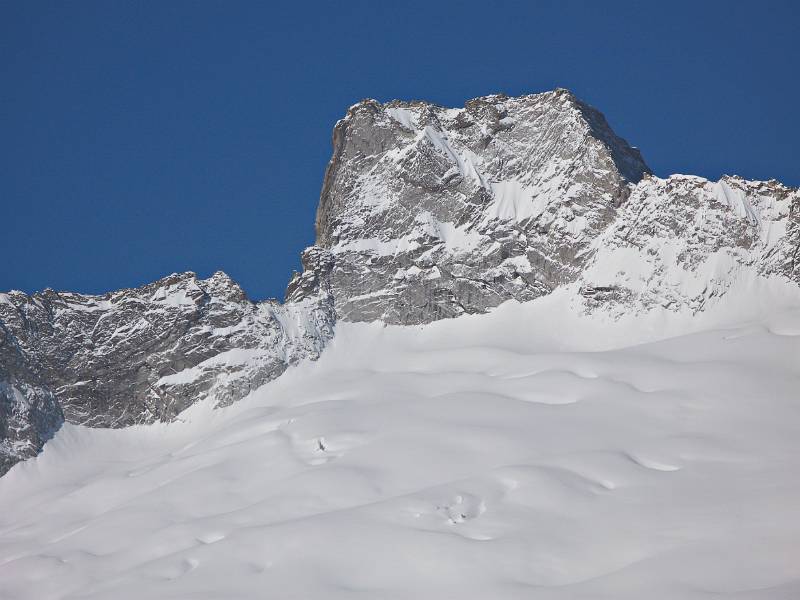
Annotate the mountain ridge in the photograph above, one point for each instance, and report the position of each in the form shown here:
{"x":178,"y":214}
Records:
{"x":425,"y":213}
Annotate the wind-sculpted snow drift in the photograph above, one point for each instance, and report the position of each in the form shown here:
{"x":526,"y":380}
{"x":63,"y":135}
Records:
{"x":531,"y":453}
{"x":425,"y":213}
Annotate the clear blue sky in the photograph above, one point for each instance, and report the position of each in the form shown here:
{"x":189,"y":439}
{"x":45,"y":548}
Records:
{"x":144,"y":138}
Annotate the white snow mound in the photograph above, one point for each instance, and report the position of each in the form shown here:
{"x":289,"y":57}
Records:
{"x":534,"y":452}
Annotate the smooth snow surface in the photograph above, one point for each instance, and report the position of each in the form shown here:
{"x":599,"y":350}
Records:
{"x":530,"y":453}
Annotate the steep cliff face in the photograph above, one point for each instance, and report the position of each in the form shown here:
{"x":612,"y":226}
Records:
{"x":425,"y":213}
{"x":144,"y":354}
{"x":431,"y":212}
{"x":29,"y":412}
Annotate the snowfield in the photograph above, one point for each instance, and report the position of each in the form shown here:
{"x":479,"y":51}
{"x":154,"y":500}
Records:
{"x":535,"y":452}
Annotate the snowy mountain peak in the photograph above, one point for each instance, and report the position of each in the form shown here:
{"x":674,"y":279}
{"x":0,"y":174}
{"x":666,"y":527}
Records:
{"x":425,"y":213}
{"x":429,"y":212}
{"x":396,"y":152}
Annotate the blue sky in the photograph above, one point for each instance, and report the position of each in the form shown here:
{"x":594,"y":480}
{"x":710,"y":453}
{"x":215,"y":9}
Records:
{"x":143,"y":138}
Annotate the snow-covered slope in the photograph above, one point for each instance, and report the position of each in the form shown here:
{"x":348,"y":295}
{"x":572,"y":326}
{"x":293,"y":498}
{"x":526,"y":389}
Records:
{"x":534,"y":452}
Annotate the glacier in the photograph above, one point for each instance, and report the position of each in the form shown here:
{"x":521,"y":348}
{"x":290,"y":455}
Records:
{"x":533,"y":452}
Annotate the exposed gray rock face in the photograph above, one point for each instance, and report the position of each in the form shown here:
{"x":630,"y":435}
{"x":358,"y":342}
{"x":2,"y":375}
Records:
{"x":426,"y":213}
{"x":29,"y":413}
{"x":144,"y":354}
{"x":683,"y":241}
{"x":429,"y":212}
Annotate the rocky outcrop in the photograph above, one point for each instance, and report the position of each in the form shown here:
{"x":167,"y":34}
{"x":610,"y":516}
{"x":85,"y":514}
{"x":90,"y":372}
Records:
{"x":681,"y":242}
{"x":426,"y":213}
{"x":29,"y":412}
{"x":144,"y":354}
{"x":430,"y":212}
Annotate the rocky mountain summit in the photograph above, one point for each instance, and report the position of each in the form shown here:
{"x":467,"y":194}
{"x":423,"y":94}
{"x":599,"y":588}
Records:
{"x":425,"y":213}
{"x":429,"y":212}
{"x":432,"y":212}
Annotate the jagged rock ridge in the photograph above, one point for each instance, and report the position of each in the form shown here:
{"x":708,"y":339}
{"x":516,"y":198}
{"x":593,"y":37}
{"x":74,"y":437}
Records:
{"x":429,"y":212}
{"x":425,"y":213}
{"x":141,"y":355}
